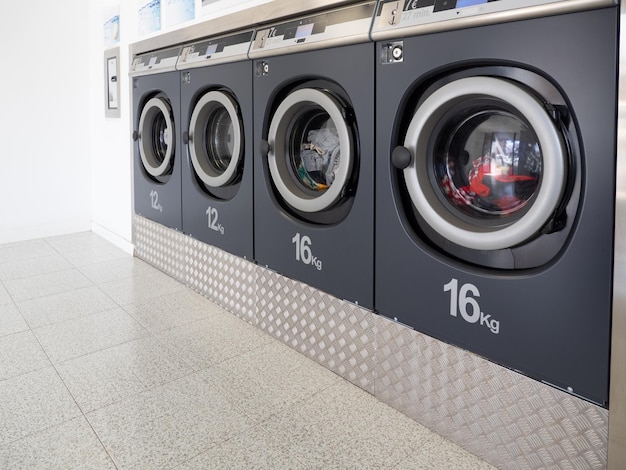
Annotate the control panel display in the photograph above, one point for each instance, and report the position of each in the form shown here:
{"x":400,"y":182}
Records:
{"x":304,"y":30}
{"x":342,"y":26}
{"x":442,"y":5}
{"x":421,"y":16}
{"x":211,"y":49}
{"x":215,"y":50}
{"x":155,"y":61}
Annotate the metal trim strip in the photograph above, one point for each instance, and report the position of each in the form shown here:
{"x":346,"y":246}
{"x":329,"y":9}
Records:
{"x":617,"y":389}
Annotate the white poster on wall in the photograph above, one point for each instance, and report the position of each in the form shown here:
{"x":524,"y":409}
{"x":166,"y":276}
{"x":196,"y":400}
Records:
{"x":178,"y":11}
{"x":111,"y":26}
{"x":149,"y":16}
{"x":223,"y":7}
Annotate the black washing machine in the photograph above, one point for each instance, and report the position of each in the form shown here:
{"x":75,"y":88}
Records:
{"x":156,"y":155}
{"x":216,"y":136}
{"x":314,"y":175}
{"x":495,"y":175}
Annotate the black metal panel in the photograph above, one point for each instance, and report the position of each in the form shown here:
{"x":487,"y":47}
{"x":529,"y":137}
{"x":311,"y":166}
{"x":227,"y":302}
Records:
{"x":343,"y":251}
{"x":552,"y":322}
{"x":158,"y":201}
{"x":222,"y":219}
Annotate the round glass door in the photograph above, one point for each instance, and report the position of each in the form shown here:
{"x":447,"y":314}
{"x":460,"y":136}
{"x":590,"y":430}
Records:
{"x":311,"y":150}
{"x":488,"y":164}
{"x":216,"y":139}
{"x":156,"y":136}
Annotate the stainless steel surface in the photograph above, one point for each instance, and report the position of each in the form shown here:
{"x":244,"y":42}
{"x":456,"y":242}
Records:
{"x":155,"y":62}
{"x":247,"y":18}
{"x":226,"y":279}
{"x":336,"y":334}
{"x":353,"y":28}
{"x":617,"y":392}
{"x":397,"y":29}
{"x":160,"y":246}
{"x":509,"y":420}
{"x":237,"y":46}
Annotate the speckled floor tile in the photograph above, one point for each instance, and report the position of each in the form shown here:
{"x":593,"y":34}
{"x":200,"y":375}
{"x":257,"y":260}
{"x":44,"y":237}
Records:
{"x":20,"y":251}
{"x":109,"y":375}
{"x":80,"y":336}
{"x":305,"y":441}
{"x":65,"y":306}
{"x":46,"y":284}
{"x":440,"y":454}
{"x":373,"y":434}
{"x":186,"y":395}
{"x":95,"y":255}
{"x":269,"y":380}
{"x":348,"y":429}
{"x":140,"y":288}
{"x":168,"y":379}
{"x":173,"y":310}
{"x":167,"y":425}
{"x":77,"y":242}
{"x":253,"y":449}
{"x":11,"y":320}
{"x":5,"y":298}
{"x":33,"y":402}
{"x":71,"y":445}
{"x":33,"y":266}
{"x":115,"y":270}
{"x":19,"y":354}
{"x":206,"y":342}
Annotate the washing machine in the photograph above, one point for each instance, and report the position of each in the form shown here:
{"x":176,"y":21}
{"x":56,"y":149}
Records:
{"x":216,"y":142}
{"x":156,"y":155}
{"x":495,"y":180}
{"x":314,"y":133}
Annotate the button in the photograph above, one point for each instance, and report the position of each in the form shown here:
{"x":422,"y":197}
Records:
{"x":396,"y":52}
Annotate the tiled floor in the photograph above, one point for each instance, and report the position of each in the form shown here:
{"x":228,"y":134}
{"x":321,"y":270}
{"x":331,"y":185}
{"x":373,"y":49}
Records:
{"x":107,"y":363}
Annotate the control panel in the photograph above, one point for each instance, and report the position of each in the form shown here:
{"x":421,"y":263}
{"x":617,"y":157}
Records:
{"x":425,"y":16}
{"x":153,"y":62}
{"x":217,"y":50}
{"x":332,"y":28}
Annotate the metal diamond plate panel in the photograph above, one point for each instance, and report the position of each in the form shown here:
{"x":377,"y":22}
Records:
{"x":509,"y":420}
{"x":226,"y":279}
{"x":334,"y":333}
{"x":159,"y":246}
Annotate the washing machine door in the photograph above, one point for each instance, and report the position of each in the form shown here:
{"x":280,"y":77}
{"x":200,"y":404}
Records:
{"x":311,"y":150}
{"x":156,"y":136}
{"x":484,"y":163}
{"x":216,"y":139}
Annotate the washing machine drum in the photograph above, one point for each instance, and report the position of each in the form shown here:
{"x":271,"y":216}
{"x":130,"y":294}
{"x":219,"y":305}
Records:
{"x":484,"y":163}
{"x":216,"y":138}
{"x":311,"y":153}
{"x":156,"y":137}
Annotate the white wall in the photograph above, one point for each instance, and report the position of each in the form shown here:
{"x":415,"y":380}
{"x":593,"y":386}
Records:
{"x":109,"y":139}
{"x":64,"y":167}
{"x":45,"y":176}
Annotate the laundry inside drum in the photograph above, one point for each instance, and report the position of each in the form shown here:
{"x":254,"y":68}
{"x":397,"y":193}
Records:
{"x":489,"y":165}
{"x":315,"y":150}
